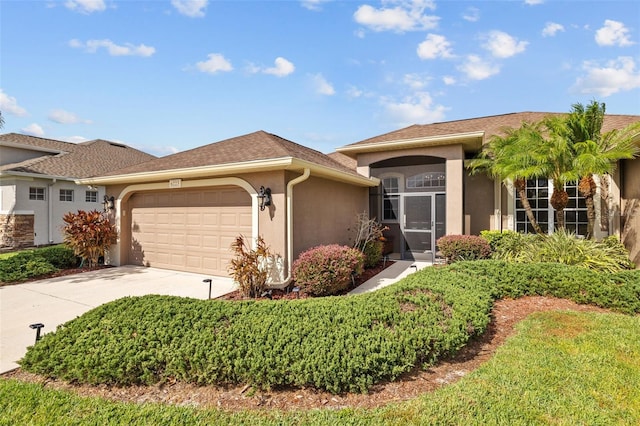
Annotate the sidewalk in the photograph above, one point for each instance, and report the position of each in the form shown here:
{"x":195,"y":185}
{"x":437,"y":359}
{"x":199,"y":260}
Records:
{"x":390,"y":275}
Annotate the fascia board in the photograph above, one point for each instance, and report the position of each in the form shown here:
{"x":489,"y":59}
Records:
{"x":333,"y":174}
{"x":31,"y":147}
{"x":440,"y":140}
{"x":36,"y":175}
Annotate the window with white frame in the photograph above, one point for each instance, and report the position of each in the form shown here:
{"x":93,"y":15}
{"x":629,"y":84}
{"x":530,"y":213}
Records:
{"x":37,"y":193}
{"x":390,"y":198}
{"x":427,"y":181}
{"x":538,"y":193}
{"x":66,"y":195}
{"x":91,"y":196}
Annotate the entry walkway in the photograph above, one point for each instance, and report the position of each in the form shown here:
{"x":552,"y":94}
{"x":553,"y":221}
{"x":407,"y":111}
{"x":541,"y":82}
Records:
{"x":390,"y":275}
{"x":57,"y":300}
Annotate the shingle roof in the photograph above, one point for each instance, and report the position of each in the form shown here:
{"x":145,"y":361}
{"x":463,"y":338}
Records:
{"x":82,"y":160}
{"x":255,"y":146}
{"x":490,"y":125}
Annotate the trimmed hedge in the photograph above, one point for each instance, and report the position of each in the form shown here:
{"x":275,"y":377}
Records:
{"x":457,"y":248}
{"x":335,"y":343}
{"x":33,"y":263}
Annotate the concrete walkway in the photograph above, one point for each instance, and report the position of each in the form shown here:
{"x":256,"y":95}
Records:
{"x":390,"y":275}
{"x":57,"y":300}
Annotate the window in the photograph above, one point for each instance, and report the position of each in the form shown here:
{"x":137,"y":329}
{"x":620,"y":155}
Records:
{"x":36,"y":193}
{"x":66,"y":195}
{"x":426,"y":180}
{"x":390,"y":199}
{"x":91,"y":196}
{"x":538,"y":193}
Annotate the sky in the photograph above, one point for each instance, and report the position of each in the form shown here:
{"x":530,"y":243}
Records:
{"x":167,"y":76}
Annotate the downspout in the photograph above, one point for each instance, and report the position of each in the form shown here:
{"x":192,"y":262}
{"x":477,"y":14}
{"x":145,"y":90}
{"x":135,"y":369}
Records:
{"x":50,"y":210}
{"x":304,"y":176}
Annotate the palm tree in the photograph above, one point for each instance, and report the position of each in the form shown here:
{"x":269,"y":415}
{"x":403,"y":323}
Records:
{"x":595,"y":153}
{"x":509,"y":158}
{"x":555,"y":157}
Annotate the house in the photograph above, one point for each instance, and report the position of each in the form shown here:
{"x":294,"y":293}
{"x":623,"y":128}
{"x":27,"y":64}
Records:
{"x":184,"y":210}
{"x":37,"y":184}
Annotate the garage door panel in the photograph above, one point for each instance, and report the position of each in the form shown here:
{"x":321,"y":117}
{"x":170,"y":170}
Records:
{"x":189,"y":230}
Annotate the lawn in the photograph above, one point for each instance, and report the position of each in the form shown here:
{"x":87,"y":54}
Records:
{"x":562,"y":368}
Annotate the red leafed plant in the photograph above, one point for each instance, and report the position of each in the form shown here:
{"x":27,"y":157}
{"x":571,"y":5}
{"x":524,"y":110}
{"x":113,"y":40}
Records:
{"x":89,"y":234}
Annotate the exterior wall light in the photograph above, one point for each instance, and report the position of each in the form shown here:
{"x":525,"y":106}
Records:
{"x":108,"y":203}
{"x":265,"y":197}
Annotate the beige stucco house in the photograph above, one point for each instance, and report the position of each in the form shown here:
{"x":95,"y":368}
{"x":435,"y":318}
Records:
{"x":38,"y":184}
{"x":184,"y":210}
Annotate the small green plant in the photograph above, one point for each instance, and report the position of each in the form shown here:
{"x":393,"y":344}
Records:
{"x":60,"y":256}
{"x":248,"y":268}
{"x":372,"y":253}
{"x":328,"y":269}
{"x":463,"y":247}
{"x":23,"y":266}
{"x":89,"y":234}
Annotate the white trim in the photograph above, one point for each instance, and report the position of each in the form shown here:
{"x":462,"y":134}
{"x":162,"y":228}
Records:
{"x":38,"y":176}
{"x":35,"y":148}
{"x":16,"y":212}
{"x":412,"y":143}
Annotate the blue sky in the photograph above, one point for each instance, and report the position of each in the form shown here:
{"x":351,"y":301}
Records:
{"x":166,"y":76}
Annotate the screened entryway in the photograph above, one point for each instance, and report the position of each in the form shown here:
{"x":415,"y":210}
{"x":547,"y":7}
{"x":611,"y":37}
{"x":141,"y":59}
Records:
{"x":411,"y":202}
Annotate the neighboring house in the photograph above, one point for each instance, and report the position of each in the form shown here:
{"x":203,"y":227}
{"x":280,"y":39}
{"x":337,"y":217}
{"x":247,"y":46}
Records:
{"x":183,"y":211}
{"x":37,"y":184}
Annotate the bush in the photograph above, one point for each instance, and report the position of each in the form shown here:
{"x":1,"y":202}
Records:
{"x":327,"y":270}
{"x":463,"y":247}
{"x":60,"y":256}
{"x":565,"y":247}
{"x":372,"y":253}
{"x":337,"y":344}
{"x":23,"y":266}
{"x":248,"y":267}
{"x":89,"y":234}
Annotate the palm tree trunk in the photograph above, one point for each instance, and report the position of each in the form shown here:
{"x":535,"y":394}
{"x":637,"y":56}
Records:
{"x":521,"y":187}
{"x":604,"y":195}
{"x":559,"y":200}
{"x":587,"y":188}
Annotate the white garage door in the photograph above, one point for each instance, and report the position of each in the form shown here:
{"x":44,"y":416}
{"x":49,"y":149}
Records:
{"x":188,"y":230}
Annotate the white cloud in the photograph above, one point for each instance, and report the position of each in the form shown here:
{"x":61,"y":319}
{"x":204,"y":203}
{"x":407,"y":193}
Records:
{"x":74,"y":139}
{"x":435,"y":46}
{"x":616,"y":76}
{"x":85,"y":6}
{"x":405,"y":16}
{"x":282,"y":68}
{"x":190,"y":8}
{"x":314,"y":5}
{"x":65,"y":117}
{"x":533,"y":2}
{"x":215,"y":63}
{"x":416,"y":81}
{"x":127,"y":49}
{"x":322,"y":86}
{"x":449,"y":80}
{"x":502,"y":45}
{"x":9,"y":105}
{"x":613,"y":33}
{"x":477,"y":68}
{"x":416,"y":109}
{"x":551,"y":29}
{"x":472,"y":14}
{"x":33,"y":129}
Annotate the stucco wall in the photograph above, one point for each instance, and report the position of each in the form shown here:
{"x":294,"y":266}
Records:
{"x":324,"y":210}
{"x":478,"y":203}
{"x":630,"y":219}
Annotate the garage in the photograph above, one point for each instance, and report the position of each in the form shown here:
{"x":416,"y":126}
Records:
{"x":188,"y":230}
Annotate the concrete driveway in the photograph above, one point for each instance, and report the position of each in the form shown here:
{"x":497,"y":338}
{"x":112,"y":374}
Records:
{"x":57,"y":300}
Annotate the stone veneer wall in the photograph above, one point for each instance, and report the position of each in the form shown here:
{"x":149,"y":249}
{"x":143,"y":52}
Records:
{"x":16,"y":230}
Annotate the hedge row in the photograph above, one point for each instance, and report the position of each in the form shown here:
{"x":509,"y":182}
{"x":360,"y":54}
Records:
{"x":33,"y":263}
{"x":338,"y":344}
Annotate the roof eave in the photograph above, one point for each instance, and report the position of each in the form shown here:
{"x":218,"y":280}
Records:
{"x":36,"y":175}
{"x":471,"y":141}
{"x":284,"y":163}
{"x":31,"y":147}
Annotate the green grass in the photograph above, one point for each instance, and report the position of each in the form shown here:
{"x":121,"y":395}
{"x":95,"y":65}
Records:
{"x":561,"y":368}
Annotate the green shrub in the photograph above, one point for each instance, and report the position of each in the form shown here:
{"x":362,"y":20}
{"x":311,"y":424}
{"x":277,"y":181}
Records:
{"x":23,"y":266}
{"x":336,"y":343}
{"x":60,"y":256}
{"x":506,"y":244}
{"x":327,"y":270}
{"x":372,"y":253}
{"x":565,"y":247}
{"x":463,"y":247}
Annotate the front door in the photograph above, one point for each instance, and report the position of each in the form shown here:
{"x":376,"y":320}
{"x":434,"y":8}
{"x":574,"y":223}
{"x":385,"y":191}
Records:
{"x":423,"y":223}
